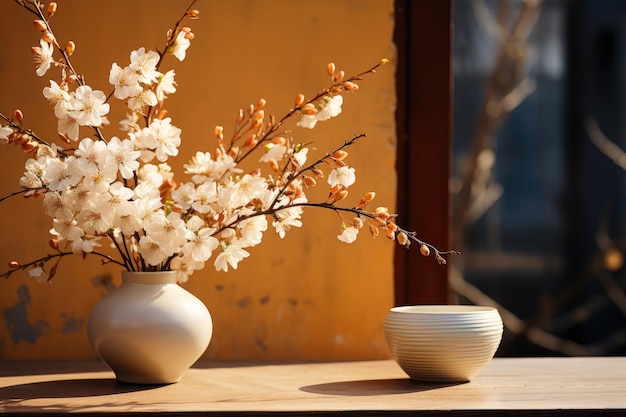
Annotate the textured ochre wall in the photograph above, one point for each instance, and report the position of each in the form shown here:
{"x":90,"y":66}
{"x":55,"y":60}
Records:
{"x":308,"y":296}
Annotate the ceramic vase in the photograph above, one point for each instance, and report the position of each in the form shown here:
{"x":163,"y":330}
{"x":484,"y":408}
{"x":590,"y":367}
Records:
{"x":150,"y":330}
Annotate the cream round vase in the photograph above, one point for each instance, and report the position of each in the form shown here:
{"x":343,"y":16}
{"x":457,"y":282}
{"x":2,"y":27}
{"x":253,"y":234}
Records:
{"x":150,"y":330}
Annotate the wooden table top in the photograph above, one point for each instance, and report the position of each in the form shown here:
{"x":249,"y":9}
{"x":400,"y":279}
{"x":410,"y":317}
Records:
{"x":507,"y":386}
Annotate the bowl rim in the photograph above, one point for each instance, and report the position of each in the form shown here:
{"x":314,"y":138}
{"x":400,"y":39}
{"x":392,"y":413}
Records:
{"x":442,"y":309}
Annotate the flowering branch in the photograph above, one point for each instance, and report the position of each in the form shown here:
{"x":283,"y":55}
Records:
{"x":121,"y":188}
{"x":23,"y":137}
{"x":43,"y":54}
{"x":37,"y":270}
{"x":254,"y":119}
{"x":313,"y":166}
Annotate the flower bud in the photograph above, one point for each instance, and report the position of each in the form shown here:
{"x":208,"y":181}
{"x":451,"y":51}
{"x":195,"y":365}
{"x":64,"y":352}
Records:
{"x":309,"y":181}
{"x":14,"y":264}
{"x":334,"y":163}
{"x":259,"y":115}
{"x":262,"y":102}
{"x":381,"y":213}
{"x":52,"y":8}
{"x":193,"y":14}
{"x":162,"y":114}
{"x":29,"y":146}
{"x":424,"y":250}
{"x":369,"y":196}
{"x":40,"y":25}
{"x":251,"y":141}
{"x":373,"y":231}
{"x":330,"y":68}
{"x":299,"y":100}
{"x":219,"y":132}
{"x":317,"y":172}
{"x":341,"y":195}
{"x":274,"y":165}
{"x":280,"y":140}
{"x":340,"y":155}
{"x":54,"y":244}
{"x":403,"y":239}
{"x":339,"y":76}
{"x":19,"y":116}
{"x":256,"y":124}
{"x":336,"y":90}
{"x":336,"y":188}
{"x":70,"y":48}
{"x":336,"y":196}
{"x":309,"y":108}
{"x":17,"y":138}
{"x":48,"y":36}
{"x":350,"y":86}
{"x":365,"y":200}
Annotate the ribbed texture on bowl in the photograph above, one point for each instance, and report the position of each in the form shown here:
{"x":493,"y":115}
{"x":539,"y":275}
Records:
{"x":445,"y":343}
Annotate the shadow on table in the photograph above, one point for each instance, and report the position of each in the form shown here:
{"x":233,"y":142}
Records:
{"x":376,"y":387}
{"x":69,"y":388}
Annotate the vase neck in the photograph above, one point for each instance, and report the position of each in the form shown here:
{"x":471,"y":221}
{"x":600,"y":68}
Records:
{"x":157,"y":277}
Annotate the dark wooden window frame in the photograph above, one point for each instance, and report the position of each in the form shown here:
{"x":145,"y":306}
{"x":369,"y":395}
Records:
{"x":423,"y":37}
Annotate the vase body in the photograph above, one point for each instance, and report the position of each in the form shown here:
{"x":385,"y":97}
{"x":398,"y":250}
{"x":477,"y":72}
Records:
{"x":150,"y":330}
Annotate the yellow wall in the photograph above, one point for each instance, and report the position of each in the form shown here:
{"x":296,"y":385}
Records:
{"x":308,"y":296}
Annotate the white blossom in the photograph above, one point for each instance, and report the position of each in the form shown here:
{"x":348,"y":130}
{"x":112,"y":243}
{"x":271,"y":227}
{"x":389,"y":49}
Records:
{"x":60,"y":174}
{"x":181,"y":44}
{"x":91,"y":155}
{"x":43,"y":57}
{"x":88,"y":106}
{"x":231,"y":255}
{"x":125,"y":80}
{"x":166,"y":85}
{"x":252,"y":230}
{"x":349,"y":234}
{"x":5,"y":132}
{"x":287,"y":218}
{"x":330,"y":107}
{"x":152,"y":251}
{"x":200,"y":245}
{"x":273,"y":152}
{"x":307,"y":121}
{"x":345,"y":176}
{"x":144,"y":99}
{"x":123,"y":156}
{"x":39,"y":274}
{"x":144,"y":63}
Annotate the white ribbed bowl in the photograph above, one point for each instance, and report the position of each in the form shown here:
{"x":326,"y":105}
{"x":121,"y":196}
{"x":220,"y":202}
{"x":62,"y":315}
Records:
{"x":445,"y":343}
